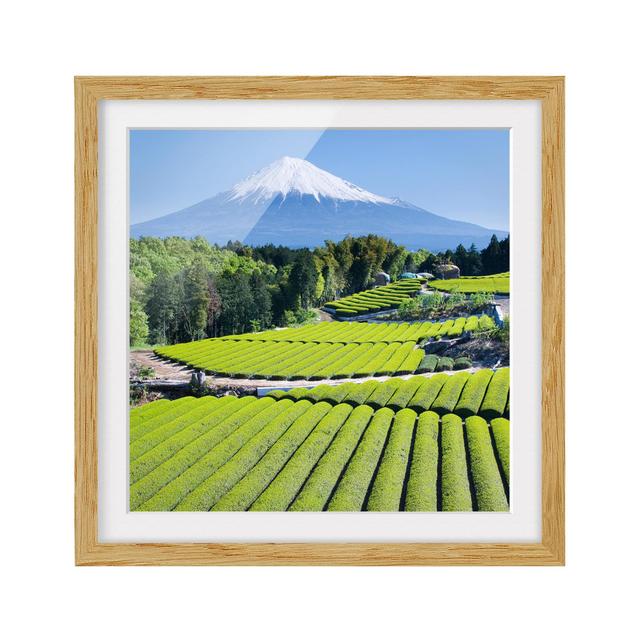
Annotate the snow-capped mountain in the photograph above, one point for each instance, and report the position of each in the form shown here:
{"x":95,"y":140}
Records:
{"x":294,"y":203}
{"x":294,"y":175}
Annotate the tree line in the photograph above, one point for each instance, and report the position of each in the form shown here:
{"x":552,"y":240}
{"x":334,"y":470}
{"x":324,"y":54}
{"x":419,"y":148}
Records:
{"x":494,"y":258}
{"x":183,"y":290}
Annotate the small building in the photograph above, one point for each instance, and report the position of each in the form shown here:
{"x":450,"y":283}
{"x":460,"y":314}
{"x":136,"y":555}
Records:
{"x":381,"y":279}
{"x":406,"y":275}
{"x":447,"y":271}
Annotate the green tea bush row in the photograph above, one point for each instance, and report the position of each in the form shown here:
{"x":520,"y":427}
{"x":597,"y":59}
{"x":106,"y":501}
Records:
{"x":245,"y":492}
{"x":298,"y":353}
{"x":360,"y":393}
{"x":473,"y":393}
{"x":397,"y":359}
{"x":445,"y":364}
{"x":216,"y":421}
{"x":216,"y":445}
{"x":274,"y":455}
{"x":462,"y":363}
{"x":450,"y":393}
{"x":313,"y":358}
{"x":383,"y":393}
{"x":349,"y":369}
{"x":410,"y":363}
{"x":285,"y":486}
{"x":485,"y":322}
{"x":428,"y":363}
{"x":378,"y":299}
{"x":498,"y":283}
{"x":351,"y":493}
{"x":405,"y":392}
{"x":386,"y":492}
{"x":209,"y":492}
{"x":141,"y":414}
{"x":323,"y":479}
{"x":461,"y":393}
{"x":427,"y":393}
{"x":500,"y":430}
{"x":203,"y":410}
{"x":487,"y":482}
{"x":456,"y":493}
{"x":333,"y":368}
{"x":216,"y":472}
{"x":495,"y":399}
{"x":458,"y":328}
{"x":160,"y":414}
{"x":422,"y":484}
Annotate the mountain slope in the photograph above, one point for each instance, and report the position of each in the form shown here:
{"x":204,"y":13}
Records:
{"x":293,"y":202}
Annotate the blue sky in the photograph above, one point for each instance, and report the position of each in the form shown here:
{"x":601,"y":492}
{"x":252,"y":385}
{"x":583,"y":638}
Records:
{"x":457,"y":173}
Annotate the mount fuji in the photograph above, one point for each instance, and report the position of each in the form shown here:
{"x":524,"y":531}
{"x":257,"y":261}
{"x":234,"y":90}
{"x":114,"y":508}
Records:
{"x":294,"y":203}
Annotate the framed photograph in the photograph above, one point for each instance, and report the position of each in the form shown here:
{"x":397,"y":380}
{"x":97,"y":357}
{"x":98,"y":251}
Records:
{"x":308,"y":310}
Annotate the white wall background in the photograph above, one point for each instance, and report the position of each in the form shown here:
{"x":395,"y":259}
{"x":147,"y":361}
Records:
{"x":44,"y":44}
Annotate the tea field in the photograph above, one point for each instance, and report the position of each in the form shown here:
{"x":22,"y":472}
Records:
{"x":497,"y":283}
{"x":405,"y":447}
{"x":373,"y":300}
{"x":484,"y":392}
{"x":327,"y":350}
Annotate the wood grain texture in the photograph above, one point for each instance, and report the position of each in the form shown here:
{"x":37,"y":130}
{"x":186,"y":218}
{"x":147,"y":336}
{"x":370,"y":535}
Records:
{"x":549,"y":90}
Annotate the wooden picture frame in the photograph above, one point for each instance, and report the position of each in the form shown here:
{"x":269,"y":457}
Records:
{"x":89,"y":91}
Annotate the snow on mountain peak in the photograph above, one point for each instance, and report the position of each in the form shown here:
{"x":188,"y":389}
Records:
{"x":295,"y":175}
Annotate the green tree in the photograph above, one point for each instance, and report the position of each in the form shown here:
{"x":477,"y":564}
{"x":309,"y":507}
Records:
{"x":261,"y":311}
{"x":138,"y":327}
{"x":213,"y":309}
{"x":237,"y":302}
{"x":303,"y":279}
{"x":491,"y":256}
{"x":474,"y":262}
{"x":162,"y":308}
{"x":195,"y":302}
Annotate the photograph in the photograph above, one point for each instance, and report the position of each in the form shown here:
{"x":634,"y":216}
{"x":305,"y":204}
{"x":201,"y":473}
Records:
{"x":319,"y":320}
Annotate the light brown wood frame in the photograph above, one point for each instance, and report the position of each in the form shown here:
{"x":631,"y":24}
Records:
{"x":90,"y":90}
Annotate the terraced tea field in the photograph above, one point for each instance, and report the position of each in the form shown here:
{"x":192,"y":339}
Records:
{"x":373,"y":300}
{"x":312,"y":454}
{"x":484,"y":392}
{"x":497,"y":283}
{"x":327,"y":350}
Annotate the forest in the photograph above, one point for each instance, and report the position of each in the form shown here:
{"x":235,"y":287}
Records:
{"x":183,"y":290}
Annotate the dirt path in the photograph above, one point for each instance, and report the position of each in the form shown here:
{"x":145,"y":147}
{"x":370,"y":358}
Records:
{"x":164,"y":369}
{"x":503,"y":303}
{"x":325,"y":317}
